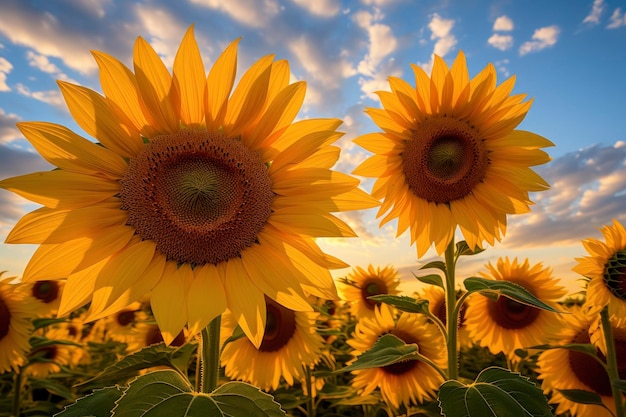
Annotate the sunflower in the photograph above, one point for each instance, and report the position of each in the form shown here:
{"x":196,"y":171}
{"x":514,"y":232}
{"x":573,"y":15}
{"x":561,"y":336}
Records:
{"x":409,"y":382}
{"x":436,"y":297}
{"x":48,"y":296}
{"x":119,"y":326}
{"x":192,"y":194}
{"x":51,"y":358}
{"x":449,"y":155}
{"x":361,"y":284}
{"x":17,"y":310}
{"x":605,"y":270}
{"x":289,"y":344}
{"x":504,"y":325}
{"x":566,"y":369}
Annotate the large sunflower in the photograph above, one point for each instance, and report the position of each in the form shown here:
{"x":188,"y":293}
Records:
{"x":361,"y":284}
{"x":409,"y":382}
{"x":449,"y":155}
{"x":203,"y":199}
{"x":565,"y":369}
{"x":605,"y":270}
{"x":17,"y":310}
{"x":504,"y":325}
{"x":290,"y":344}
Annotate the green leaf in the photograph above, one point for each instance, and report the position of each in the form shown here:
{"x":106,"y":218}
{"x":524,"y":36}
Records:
{"x":402,"y":303}
{"x":435,"y":265}
{"x":620,"y":384}
{"x":432,"y":279}
{"x":509,"y":289}
{"x":97,"y":404}
{"x":45,"y":322}
{"x":387,"y":350}
{"x":128,"y":366}
{"x":581,"y":396}
{"x":463,"y":249}
{"x":496,"y":392}
{"x":241,"y":399}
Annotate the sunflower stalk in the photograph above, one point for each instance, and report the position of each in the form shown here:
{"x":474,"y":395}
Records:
{"x":611,"y":361}
{"x":17,"y":399}
{"x":210,"y":355}
{"x":451,"y":311}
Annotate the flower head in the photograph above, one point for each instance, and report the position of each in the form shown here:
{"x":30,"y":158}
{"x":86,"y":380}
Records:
{"x":203,"y":199}
{"x":504,"y":325}
{"x":449,"y":155}
{"x":605,"y":270}
{"x":361,"y":284}
{"x":17,"y":310}
{"x":408,"y":382}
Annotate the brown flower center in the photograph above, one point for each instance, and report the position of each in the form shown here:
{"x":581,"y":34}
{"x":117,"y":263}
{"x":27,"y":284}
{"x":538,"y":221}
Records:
{"x":124,"y":318}
{"x":200,"y":196}
{"x":405,"y":366}
{"x":280,"y":326}
{"x":588,"y":370}
{"x":444,"y":160}
{"x":372,"y":286}
{"x":5,"y":318}
{"x":510,"y":314}
{"x":46,"y":291}
{"x":615,"y":274}
{"x":154,"y":336}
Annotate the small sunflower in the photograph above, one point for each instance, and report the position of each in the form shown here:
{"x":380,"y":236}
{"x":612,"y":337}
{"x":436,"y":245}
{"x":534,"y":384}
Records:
{"x":50,"y":359}
{"x":566,"y":369}
{"x":436,"y":297}
{"x":361,"y":284}
{"x":192,"y":194}
{"x":409,"y":382}
{"x":605,"y":270}
{"x":290,"y":344}
{"x":449,"y":155}
{"x":145,"y":334}
{"x":17,"y":310}
{"x":119,"y":326}
{"x":504,"y":325}
{"x":48,"y":296}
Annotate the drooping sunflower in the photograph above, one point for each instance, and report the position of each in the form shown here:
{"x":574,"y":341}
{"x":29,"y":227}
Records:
{"x":409,"y":382}
{"x":17,"y":310}
{"x":290,"y":344}
{"x":360,"y":284}
{"x":504,"y":325}
{"x":192,"y":194}
{"x":436,"y":297}
{"x":566,"y":369}
{"x":605,"y":270}
{"x":449,"y":155}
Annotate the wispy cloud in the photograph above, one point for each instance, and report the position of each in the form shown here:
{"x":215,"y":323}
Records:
{"x":596,"y":11}
{"x":5,"y":69}
{"x":501,"y":42}
{"x":503,"y":24}
{"x":251,"y":13}
{"x":542,"y":38}
{"x":52,"y":97}
{"x":618,"y":19}
{"x":441,"y":33}
{"x":323,"y":8}
{"x":8,"y":131}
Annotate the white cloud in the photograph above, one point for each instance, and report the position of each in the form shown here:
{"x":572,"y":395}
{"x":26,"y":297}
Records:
{"x":254,"y":13}
{"x":42,"y":63}
{"x":441,"y":33}
{"x":52,"y":97}
{"x":503,"y":23}
{"x":8,"y":131}
{"x":5,"y":69}
{"x":165,"y":32}
{"x":502,"y":66}
{"x":596,"y":11}
{"x":501,"y":42}
{"x":617,"y":19}
{"x":329,"y":70}
{"x":92,"y":7}
{"x":377,"y":2}
{"x":382,"y":42}
{"x":542,"y":38}
{"x":324,"y":8}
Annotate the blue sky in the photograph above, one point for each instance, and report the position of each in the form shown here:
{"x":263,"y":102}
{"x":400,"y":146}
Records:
{"x":569,"y":56}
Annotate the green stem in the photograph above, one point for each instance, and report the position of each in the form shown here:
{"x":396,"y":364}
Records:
{"x":451,"y":312}
{"x":309,"y":388}
{"x":210,"y":357}
{"x":18,"y":393}
{"x":611,"y":361}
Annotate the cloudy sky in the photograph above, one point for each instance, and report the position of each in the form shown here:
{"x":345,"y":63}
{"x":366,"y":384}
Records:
{"x":568,"y":56}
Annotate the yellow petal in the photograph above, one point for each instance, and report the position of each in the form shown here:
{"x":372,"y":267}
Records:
{"x":320,"y":182}
{"x":79,"y":287}
{"x":460,"y":76}
{"x":169,"y":300}
{"x":68,"y":151}
{"x":206,"y":298}
{"x":279,"y":80}
{"x":77,"y":254}
{"x":422,"y":86}
{"x":245,"y":301}
{"x":297,"y":130}
{"x":377,"y":143}
{"x":219,"y":85}
{"x":46,"y":225}
{"x":189,"y":80}
{"x":407,"y":97}
{"x":374,"y":166}
{"x":154,"y":82}
{"x":97,"y":117}
{"x":302,"y":149}
{"x":310,"y":221}
{"x":61,"y":189}
{"x":119,"y":85}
